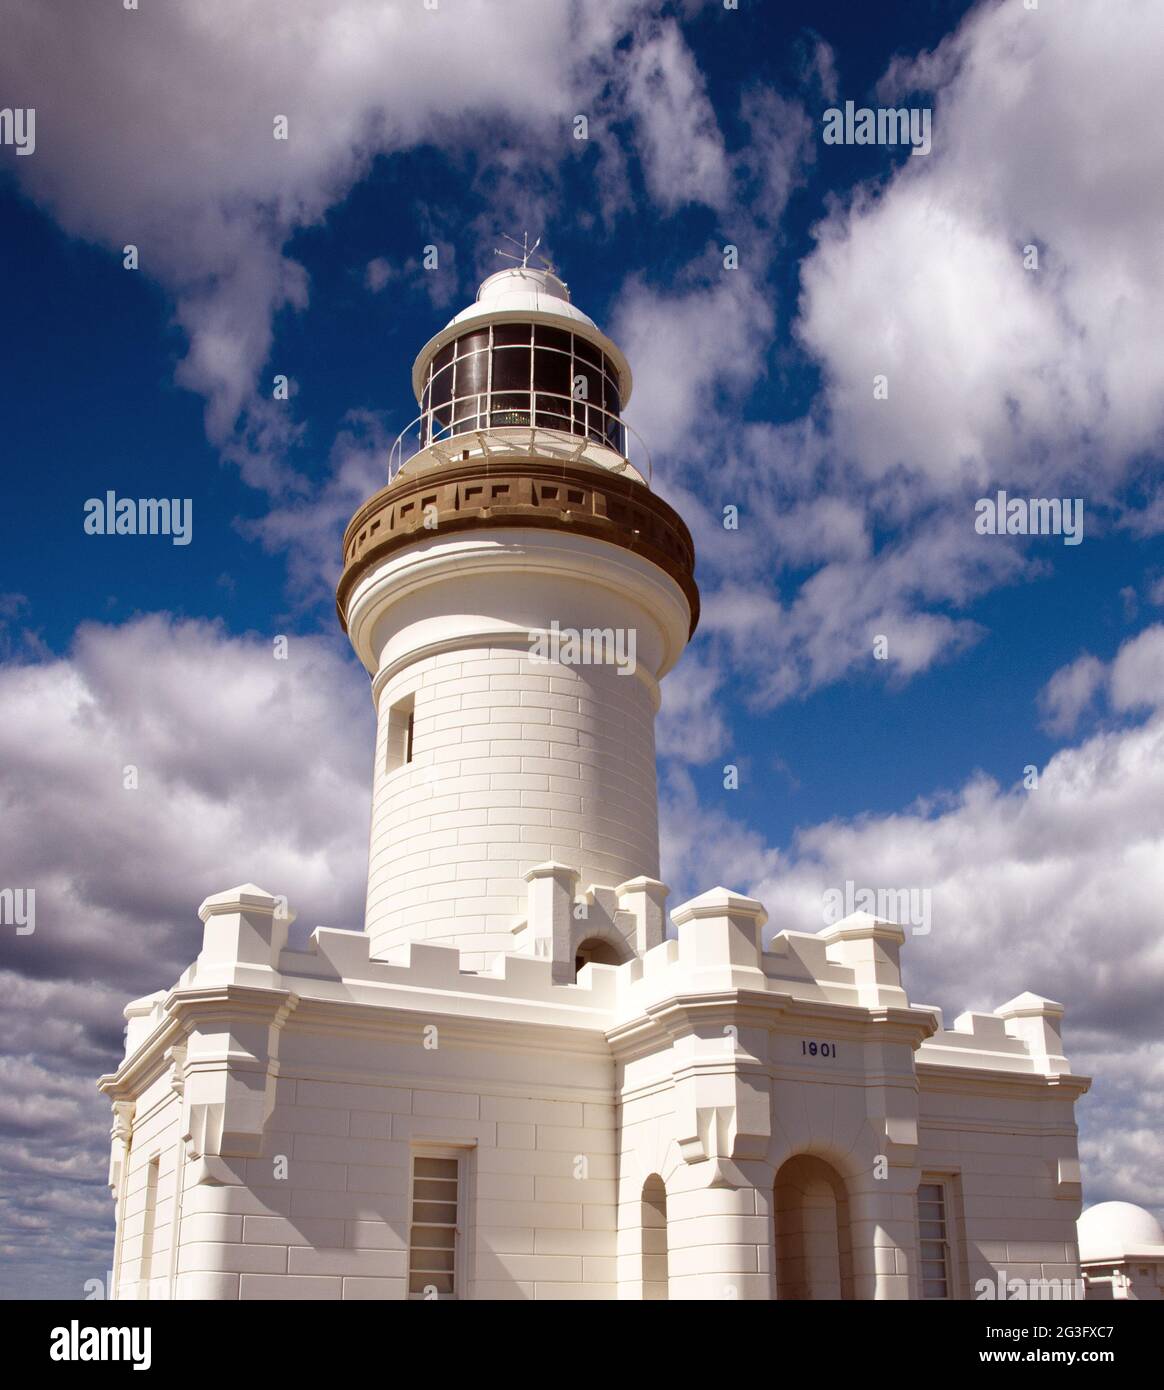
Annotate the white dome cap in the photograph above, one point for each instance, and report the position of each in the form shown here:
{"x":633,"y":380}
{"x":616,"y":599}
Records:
{"x":1112,"y":1230}
{"x":523,"y":289}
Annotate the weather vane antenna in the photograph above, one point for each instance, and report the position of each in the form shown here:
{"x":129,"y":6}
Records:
{"x":526,"y":251}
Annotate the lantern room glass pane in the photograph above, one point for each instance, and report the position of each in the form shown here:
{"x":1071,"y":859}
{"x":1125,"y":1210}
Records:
{"x":468,"y":413}
{"x":587,"y":384}
{"x":612,"y":425}
{"x":477,"y":341}
{"x":587,"y":352}
{"x":472,"y":374}
{"x":511,"y":369}
{"x":552,"y":372}
{"x":552,"y":384}
{"x":551,"y":337}
{"x":587,"y":394}
{"x":442,"y":385}
{"x":615,"y":434}
{"x":553,"y":413}
{"x":472,"y":381}
{"x":440,"y":394}
{"x":505,"y":334}
{"x":509,"y":408}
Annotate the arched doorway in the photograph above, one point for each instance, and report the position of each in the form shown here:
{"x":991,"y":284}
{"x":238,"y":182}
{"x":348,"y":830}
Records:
{"x":654,"y":1235}
{"x":814,"y":1256}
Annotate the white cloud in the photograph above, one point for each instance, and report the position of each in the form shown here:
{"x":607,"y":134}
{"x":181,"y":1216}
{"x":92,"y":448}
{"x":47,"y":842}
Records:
{"x":1137,"y":674}
{"x":687,"y":345}
{"x":1132,"y":683}
{"x":701,"y":846}
{"x":824,"y":66}
{"x":436,"y":281}
{"x":680,"y":144}
{"x":1069,"y":692}
{"x":690,"y":725}
{"x":769,"y":167}
{"x":379,"y":273}
{"x":249,"y":768}
{"x":827,"y":630}
{"x":1046,"y":382}
{"x":995,"y":372}
{"x":309,"y":529}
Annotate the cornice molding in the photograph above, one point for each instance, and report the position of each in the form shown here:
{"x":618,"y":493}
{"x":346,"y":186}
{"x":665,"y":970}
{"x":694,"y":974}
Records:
{"x":514,"y":491}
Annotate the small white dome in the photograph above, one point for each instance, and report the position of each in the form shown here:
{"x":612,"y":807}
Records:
{"x":512,"y":279}
{"x":523,"y":289}
{"x":1110,"y":1229}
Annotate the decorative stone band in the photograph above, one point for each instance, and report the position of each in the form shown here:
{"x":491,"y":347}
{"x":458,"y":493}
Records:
{"x":515,"y":491}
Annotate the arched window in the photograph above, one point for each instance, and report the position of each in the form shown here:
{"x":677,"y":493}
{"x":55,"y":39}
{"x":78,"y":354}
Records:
{"x":654,"y":1233}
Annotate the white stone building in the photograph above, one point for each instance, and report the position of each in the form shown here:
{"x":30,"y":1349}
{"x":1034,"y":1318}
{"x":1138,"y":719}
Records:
{"x":513,"y":1083}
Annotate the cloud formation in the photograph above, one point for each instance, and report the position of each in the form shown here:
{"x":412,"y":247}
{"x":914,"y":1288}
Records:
{"x":998,"y":373}
{"x":247,"y":768}
{"x":1130,"y":684}
{"x":1044,"y":381}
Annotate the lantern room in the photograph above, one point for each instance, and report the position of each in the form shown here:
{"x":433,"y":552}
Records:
{"x":523,"y":365}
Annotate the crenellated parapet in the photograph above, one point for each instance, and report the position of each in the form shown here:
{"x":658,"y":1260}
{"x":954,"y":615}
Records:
{"x":738,"y":1073}
{"x":247,"y":982}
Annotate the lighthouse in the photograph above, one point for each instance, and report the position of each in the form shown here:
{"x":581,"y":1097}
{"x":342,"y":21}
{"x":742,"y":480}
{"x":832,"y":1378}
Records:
{"x":517,"y":593}
{"x":526,"y":1074}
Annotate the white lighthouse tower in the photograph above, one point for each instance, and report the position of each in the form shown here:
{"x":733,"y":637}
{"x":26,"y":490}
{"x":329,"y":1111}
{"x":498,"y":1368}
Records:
{"x":516,"y":593}
{"x":514,"y":1082}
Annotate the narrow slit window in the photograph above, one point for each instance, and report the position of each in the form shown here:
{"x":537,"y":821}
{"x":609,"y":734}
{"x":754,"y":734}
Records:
{"x":145,"y":1271}
{"x":401,"y":727}
{"x":933,"y":1229}
{"x":435,"y":1233}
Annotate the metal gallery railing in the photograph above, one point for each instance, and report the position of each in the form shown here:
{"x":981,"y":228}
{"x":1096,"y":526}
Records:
{"x":548,"y":431}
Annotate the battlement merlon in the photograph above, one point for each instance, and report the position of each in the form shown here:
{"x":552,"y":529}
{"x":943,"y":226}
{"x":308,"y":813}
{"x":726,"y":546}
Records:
{"x":1022,"y":1036}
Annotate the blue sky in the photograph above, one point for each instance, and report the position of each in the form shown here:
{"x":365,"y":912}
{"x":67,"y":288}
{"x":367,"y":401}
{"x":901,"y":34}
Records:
{"x":753,"y":388}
